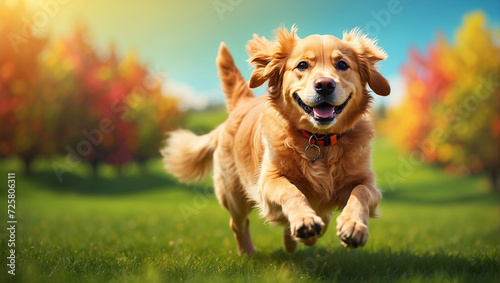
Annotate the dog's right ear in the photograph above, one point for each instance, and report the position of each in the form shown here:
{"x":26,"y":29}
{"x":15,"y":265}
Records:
{"x":269,"y":57}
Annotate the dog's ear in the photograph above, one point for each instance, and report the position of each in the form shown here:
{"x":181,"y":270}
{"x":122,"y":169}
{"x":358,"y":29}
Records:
{"x":269,"y":57}
{"x":369,"y":55}
{"x":260,"y":51}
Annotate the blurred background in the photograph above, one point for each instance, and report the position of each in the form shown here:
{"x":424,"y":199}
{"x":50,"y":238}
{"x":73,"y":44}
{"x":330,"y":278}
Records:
{"x":88,"y":90}
{"x":68,"y":67}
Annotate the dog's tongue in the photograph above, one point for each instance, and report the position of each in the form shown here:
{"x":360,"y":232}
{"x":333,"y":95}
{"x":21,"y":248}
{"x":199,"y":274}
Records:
{"x":323,"y":112}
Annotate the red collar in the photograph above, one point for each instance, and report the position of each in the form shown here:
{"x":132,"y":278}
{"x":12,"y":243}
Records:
{"x":329,"y":139}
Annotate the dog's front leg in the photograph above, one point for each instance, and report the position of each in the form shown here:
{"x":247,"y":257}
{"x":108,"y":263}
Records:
{"x":352,"y":223}
{"x":279,"y":196}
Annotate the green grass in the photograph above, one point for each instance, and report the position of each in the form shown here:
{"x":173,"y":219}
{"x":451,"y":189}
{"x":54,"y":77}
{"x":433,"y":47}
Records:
{"x":201,"y":122}
{"x":152,"y":229}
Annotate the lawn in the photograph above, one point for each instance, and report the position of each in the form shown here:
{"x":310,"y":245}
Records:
{"x":150,"y":228}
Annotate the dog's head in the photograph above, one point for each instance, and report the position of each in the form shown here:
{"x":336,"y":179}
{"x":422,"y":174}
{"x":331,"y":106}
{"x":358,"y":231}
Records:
{"x":319,"y":82}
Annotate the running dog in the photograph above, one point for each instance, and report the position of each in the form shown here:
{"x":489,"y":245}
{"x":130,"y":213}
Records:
{"x":301,"y":151}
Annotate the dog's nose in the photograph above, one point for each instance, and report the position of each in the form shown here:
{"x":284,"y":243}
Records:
{"x":324,"y":86}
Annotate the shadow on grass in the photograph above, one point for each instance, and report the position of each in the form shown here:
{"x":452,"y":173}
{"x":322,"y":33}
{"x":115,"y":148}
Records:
{"x":439,"y":192}
{"x":451,"y":199}
{"x":359,"y":265}
{"x":108,"y":186}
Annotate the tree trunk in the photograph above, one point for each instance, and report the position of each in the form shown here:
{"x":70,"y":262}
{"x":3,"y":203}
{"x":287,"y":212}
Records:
{"x":494,"y":179}
{"x":27,"y":165}
{"x":142,"y":167}
{"x":119,"y":170}
{"x":95,"y":165}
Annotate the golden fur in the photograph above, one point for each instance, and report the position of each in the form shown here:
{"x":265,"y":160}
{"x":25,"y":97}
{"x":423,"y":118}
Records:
{"x":259,"y":155}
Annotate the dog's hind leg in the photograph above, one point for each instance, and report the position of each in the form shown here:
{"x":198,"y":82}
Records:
{"x":242,"y":235}
{"x":229,"y":191}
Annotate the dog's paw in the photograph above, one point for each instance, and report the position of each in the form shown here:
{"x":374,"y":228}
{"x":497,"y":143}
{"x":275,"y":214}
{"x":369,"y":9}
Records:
{"x":353,"y":232}
{"x":306,"y":227}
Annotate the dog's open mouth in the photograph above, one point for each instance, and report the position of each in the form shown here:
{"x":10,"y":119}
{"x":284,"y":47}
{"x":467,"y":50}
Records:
{"x":324,"y":112}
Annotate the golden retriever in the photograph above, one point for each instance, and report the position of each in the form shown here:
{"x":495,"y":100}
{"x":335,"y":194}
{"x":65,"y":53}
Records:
{"x":301,"y":151}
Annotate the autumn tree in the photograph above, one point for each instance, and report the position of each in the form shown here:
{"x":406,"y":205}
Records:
{"x":151,"y":112}
{"x":55,"y":98}
{"x":450,"y":114}
{"x":101,"y":87}
{"x":21,"y":104}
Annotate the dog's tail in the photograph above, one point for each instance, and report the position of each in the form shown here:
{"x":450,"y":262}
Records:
{"x":188,"y":156}
{"x":233,"y":84}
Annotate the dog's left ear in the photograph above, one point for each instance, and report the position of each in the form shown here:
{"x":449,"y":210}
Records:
{"x":369,"y":55}
{"x":269,"y":58}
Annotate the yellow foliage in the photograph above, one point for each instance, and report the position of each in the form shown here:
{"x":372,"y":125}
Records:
{"x":454,"y":89}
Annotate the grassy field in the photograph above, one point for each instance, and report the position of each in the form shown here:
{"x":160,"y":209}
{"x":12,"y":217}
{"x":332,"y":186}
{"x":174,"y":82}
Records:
{"x":150,"y":228}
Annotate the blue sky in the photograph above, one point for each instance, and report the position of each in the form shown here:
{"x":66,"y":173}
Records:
{"x":181,"y":38}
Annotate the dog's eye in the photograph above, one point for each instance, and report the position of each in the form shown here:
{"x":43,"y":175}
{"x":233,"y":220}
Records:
{"x":342,"y":65}
{"x":303,"y":65}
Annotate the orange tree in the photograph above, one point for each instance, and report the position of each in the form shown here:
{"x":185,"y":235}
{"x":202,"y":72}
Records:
{"x":114,"y":109}
{"x":22,"y":116}
{"x":76,"y":73}
{"x":70,"y":97}
{"x":450,"y":112}
{"x":150,"y":111}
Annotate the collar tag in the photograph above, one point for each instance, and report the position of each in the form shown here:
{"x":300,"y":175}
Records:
{"x":312,"y":146}
{"x":319,"y":140}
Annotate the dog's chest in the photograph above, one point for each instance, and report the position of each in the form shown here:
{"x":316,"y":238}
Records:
{"x":323,"y":179}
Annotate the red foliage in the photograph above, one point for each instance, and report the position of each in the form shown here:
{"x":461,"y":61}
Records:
{"x":68,"y":96}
